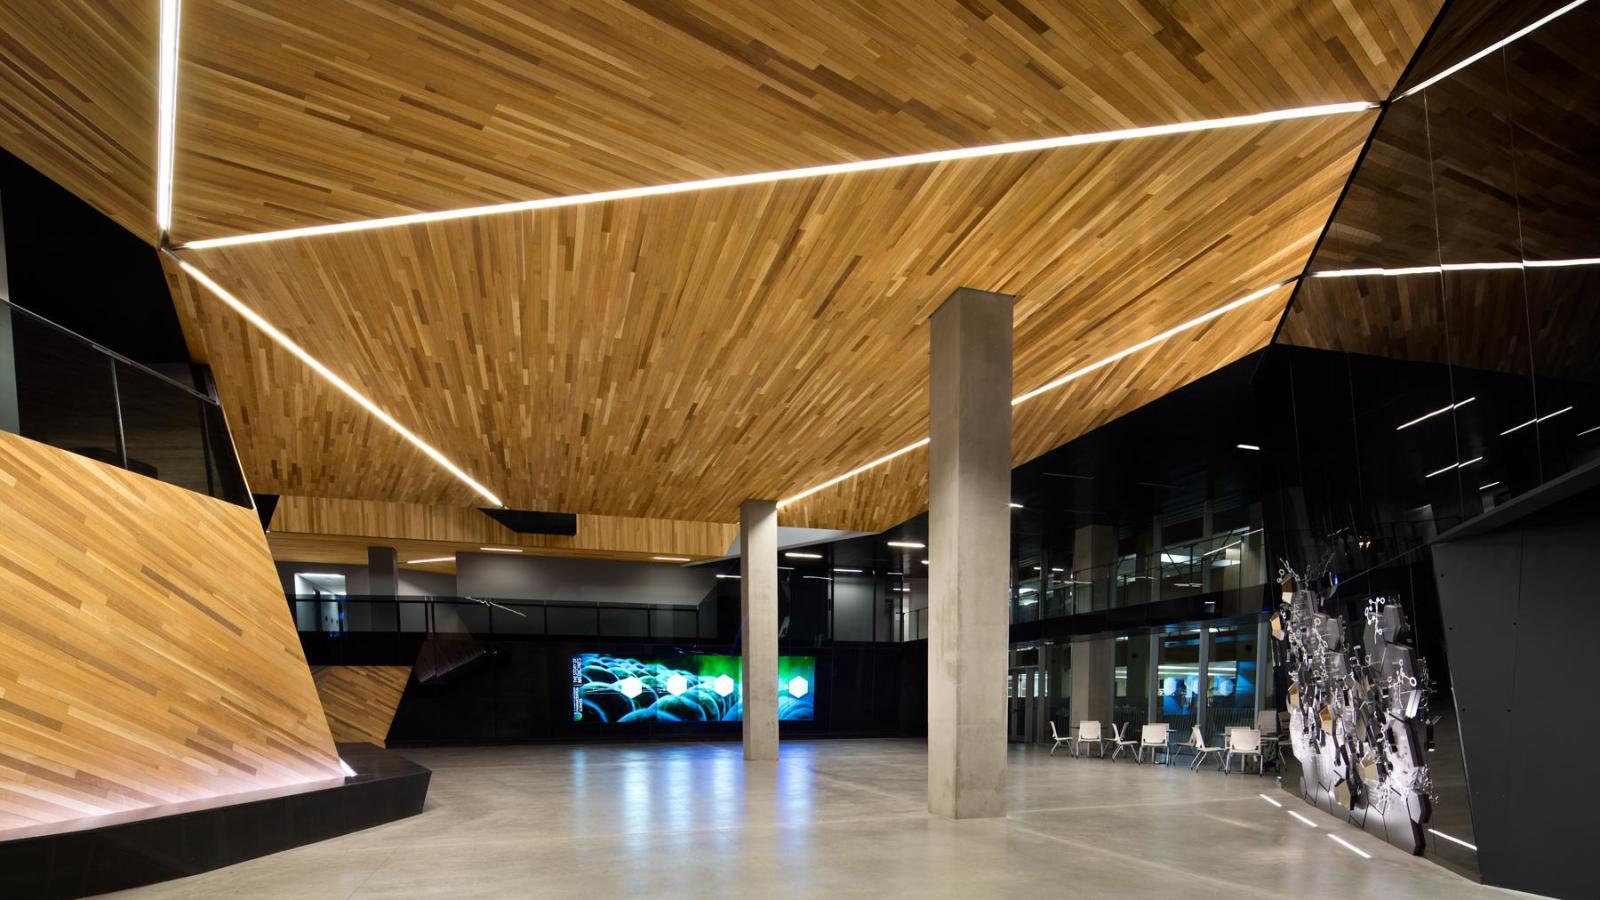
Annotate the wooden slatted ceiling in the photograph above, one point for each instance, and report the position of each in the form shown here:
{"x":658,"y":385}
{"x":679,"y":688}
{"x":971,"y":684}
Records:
{"x":668,"y":357}
{"x":78,"y":100}
{"x":146,"y":653}
{"x":360,"y":701}
{"x":374,"y":107}
{"x":449,"y":528}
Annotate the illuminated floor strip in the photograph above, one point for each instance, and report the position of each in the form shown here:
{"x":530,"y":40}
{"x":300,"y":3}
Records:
{"x":1270,"y":800}
{"x":1302,"y":818}
{"x":708,"y":184}
{"x":1454,"y":840}
{"x":1351,"y":847}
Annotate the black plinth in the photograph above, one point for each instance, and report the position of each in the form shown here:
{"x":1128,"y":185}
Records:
{"x":109,"y":853}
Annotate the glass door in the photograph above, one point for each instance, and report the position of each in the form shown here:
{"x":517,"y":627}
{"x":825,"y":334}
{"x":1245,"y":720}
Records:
{"x":1022,"y":704}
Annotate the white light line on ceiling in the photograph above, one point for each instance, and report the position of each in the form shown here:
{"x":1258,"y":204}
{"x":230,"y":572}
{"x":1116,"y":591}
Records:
{"x":431,"y":559}
{"x":1459,"y":465}
{"x":1440,"y":411}
{"x":283,"y":340}
{"x":1150,"y":342}
{"x":500,"y":549}
{"x":1514,"y":36}
{"x":167,"y":113}
{"x":867,"y":165}
{"x":720,"y":575}
{"x":796,"y":554}
{"x":1351,"y":847}
{"x":672,"y":559}
{"x":1459,"y":267}
{"x":1485,"y":487}
{"x":1457,"y":840}
{"x":1587,"y":431}
{"x":1050,"y":386}
{"x":1248,"y":446}
{"x":908,"y":545}
{"x":1531,"y":421}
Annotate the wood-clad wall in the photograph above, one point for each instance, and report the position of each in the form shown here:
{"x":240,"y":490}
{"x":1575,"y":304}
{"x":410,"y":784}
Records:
{"x":618,"y":537}
{"x":146,"y":652}
{"x":360,"y":701}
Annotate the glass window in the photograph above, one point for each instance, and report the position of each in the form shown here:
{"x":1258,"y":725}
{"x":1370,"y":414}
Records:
{"x":1178,"y":689}
{"x":1230,"y":677}
{"x":1130,"y":675}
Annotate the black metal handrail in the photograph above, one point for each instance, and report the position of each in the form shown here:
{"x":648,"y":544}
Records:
{"x":482,"y":616}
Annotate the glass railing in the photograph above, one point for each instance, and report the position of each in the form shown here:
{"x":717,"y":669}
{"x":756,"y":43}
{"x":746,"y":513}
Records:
{"x":65,"y":390}
{"x":1223,"y":562}
{"x":486,"y":617}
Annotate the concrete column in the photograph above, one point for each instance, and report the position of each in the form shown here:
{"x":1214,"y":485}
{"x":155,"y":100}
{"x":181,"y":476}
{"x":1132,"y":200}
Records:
{"x":969,"y":532}
{"x":383,"y":572}
{"x":1091,"y":681}
{"x":758,"y":608}
{"x":1094,"y":550}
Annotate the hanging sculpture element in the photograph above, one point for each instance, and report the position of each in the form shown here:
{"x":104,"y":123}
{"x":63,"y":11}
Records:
{"x":1358,"y":702}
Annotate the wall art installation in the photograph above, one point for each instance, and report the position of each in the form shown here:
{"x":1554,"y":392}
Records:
{"x":1358,"y":706}
{"x":686,"y":688}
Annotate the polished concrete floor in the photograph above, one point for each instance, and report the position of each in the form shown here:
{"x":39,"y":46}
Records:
{"x":833,"y":819}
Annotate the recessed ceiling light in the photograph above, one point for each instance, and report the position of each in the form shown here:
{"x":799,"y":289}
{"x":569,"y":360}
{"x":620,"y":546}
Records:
{"x":721,"y":575}
{"x":501,"y":549}
{"x":1015,"y":505}
{"x":1248,"y":447}
{"x":867,"y":165}
{"x":909,"y":545}
{"x":924,"y":562}
{"x":817,"y":577}
{"x":847,"y":571}
{"x":431,"y":559}
{"x":271,"y":331}
{"x":796,"y":554}
{"x":670,"y":558}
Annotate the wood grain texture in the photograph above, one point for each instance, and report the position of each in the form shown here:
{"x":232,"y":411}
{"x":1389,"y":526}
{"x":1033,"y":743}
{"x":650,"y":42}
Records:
{"x":78,"y":100}
{"x":146,"y":652}
{"x":670,"y":357}
{"x":373,"y":107}
{"x":435,"y":530}
{"x":360,"y":701}
{"x":898,"y":490}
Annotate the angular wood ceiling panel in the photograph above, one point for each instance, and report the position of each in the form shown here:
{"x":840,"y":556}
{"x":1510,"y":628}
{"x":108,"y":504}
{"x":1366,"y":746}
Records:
{"x":78,"y":100}
{"x":898,"y":490}
{"x":669,"y":357}
{"x":374,"y":107}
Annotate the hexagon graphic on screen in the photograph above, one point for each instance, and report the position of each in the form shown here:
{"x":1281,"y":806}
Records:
{"x":723,"y":685}
{"x":677,"y":684}
{"x":630,"y":687}
{"x":799,"y":687}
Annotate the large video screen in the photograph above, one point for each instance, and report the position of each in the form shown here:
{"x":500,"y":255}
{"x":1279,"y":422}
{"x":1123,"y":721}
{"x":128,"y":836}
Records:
{"x":681,"y":688}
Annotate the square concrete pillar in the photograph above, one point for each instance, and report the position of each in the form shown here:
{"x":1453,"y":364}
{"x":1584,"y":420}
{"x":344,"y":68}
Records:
{"x":969,"y":534}
{"x":758,"y":609}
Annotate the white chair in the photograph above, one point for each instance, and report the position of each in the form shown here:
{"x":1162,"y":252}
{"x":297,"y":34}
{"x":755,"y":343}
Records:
{"x":1244,"y":743}
{"x":1056,"y":736}
{"x":1198,"y":742}
{"x":1267,"y":724}
{"x":1089,"y":733}
{"x":1121,"y":741}
{"x":1154,"y":737}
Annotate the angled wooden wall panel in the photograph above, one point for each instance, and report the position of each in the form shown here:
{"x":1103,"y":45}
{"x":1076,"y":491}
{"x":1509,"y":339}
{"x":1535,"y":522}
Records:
{"x":78,"y":100}
{"x":147,"y":655}
{"x":360,"y":701}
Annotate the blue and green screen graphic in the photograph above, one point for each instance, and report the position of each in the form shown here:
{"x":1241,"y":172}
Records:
{"x":687,"y":688}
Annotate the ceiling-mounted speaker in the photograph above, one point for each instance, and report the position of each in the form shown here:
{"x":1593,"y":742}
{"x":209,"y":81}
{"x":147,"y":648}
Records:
{"x":526,"y":521}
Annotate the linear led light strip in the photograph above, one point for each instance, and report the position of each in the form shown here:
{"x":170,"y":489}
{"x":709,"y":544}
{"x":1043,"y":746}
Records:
{"x":283,"y":340}
{"x":1459,"y":267}
{"x":1531,"y":421}
{"x":167,"y":112}
{"x":1438,"y":412}
{"x":1074,"y":375}
{"x":867,"y":165}
{"x":1457,"y":465}
{"x":1510,"y":38}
